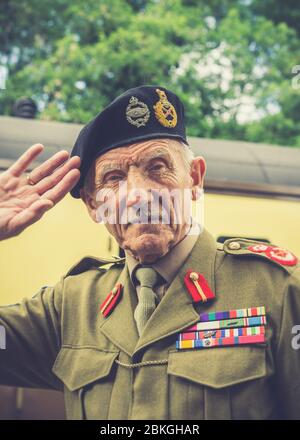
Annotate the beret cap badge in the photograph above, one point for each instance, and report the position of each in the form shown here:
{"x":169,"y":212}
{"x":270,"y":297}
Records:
{"x":164,"y":111}
{"x":137,"y":112}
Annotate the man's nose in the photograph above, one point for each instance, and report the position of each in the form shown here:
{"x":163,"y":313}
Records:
{"x":137,"y":188}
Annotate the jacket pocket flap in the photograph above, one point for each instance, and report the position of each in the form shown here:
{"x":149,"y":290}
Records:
{"x":219,"y":367}
{"x":77,"y":367}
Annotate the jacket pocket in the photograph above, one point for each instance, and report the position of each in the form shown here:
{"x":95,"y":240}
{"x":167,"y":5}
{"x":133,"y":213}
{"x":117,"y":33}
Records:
{"x":211,"y":383}
{"x":87,"y":374}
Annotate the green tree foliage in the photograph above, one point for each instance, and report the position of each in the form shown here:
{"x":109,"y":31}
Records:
{"x":287,"y":11}
{"x":230,"y":61}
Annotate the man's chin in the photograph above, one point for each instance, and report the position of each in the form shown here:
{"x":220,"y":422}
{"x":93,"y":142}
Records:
{"x":148,"y":244}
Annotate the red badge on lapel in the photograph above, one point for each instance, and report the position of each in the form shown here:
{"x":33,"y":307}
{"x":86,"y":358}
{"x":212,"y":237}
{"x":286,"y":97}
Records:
{"x":111,"y":300}
{"x":197,"y":286}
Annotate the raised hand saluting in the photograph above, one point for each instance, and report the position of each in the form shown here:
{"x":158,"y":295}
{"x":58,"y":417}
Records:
{"x":24,"y":198}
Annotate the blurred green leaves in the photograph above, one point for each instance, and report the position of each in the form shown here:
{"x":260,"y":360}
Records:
{"x":229,"y":61}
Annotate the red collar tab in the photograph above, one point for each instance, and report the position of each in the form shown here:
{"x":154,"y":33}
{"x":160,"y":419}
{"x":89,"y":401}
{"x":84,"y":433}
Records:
{"x":197,"y":286}
{"x":111,"y":300}
{"x":282,"y":256}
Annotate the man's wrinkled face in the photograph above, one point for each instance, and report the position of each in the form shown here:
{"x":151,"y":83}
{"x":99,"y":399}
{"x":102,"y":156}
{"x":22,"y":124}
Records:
{"x":131,"y":176}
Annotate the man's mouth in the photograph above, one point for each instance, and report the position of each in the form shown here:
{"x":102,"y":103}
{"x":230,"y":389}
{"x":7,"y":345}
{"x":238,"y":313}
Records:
{"x":146,"y":216}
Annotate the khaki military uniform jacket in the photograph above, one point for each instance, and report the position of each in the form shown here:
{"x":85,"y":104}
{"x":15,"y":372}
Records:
{"x":60,"y":340}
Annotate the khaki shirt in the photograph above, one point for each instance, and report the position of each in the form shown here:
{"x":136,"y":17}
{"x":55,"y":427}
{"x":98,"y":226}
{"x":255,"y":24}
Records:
{"x":59,"y":339}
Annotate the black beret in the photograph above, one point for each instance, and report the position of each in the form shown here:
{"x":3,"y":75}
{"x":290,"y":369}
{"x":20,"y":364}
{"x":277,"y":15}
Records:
{"x":141,"y":113}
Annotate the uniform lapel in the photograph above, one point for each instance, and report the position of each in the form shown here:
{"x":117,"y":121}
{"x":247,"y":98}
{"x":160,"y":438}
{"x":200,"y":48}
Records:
{"x":119,"y":327}
{"x":176,"y":310}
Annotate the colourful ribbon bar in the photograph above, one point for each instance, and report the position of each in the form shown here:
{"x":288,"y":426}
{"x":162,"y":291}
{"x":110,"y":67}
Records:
{"x":224,"y":333}
{"x":210,"y":342}
{"x":227,"y":323}
{"x":237,"y":313}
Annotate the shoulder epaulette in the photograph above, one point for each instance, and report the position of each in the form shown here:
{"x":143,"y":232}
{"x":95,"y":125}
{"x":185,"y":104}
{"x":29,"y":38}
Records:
{"x":89,"y":262}
{"x":278,"y":255}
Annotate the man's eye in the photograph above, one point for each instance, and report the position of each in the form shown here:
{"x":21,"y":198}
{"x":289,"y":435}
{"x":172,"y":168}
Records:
{"x":113,"y":177}
{"x":156,"y":167}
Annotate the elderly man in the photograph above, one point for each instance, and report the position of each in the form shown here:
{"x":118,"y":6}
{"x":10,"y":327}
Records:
{"x":182,"y":327}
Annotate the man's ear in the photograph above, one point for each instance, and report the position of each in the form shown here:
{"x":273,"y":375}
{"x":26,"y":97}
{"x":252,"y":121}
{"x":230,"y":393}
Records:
{"x":197,"y":173}
{"x":89,"y":202}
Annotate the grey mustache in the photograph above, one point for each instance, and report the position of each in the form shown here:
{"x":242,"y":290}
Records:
{"x":143,"y":214}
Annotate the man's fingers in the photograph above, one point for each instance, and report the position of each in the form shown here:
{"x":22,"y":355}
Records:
{"x":37,"y":209}
{"x":52,"y":180}
{"x":25,"y":160}
{"x":29,"y":215}
{"x":58,"y":192}
{"x":47,"y":168}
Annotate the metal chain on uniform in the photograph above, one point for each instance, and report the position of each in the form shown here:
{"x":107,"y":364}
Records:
{"x":142,"y":364}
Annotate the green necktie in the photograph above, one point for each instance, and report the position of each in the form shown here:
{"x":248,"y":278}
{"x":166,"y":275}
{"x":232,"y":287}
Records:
{"x":147,"y":277}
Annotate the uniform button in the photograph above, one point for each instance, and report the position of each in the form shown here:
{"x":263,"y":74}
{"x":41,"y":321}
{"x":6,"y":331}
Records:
{"x":194,"y":276}
{"x":234,"y":245}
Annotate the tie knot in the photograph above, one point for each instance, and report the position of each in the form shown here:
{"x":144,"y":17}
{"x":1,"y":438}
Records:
{"x":147,"y":276}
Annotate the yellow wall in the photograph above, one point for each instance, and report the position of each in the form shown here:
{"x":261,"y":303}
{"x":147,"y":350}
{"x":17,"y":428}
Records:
{"x":48,"y":248}
{"x":275,"y":220}
{"x":45,"y":251}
